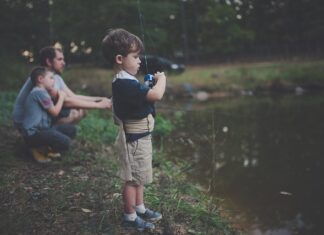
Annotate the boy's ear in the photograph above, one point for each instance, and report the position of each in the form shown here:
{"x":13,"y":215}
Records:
{"x":119,"y":59}
{"x":39,"y":79}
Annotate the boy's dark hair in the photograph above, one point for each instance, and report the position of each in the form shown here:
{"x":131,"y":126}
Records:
{"x":48,"y":52}
{"x":120,"y":42}
{"x":36,"y":72}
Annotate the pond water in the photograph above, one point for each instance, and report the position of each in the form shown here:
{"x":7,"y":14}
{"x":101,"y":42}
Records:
{"x":262,"y":155}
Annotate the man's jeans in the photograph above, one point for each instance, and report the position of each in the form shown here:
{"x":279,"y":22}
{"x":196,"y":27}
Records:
{"x":57,"y":137}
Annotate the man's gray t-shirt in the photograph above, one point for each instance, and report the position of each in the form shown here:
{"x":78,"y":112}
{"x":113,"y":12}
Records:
{"x":18,"y":112}
{"x":36,"y":116}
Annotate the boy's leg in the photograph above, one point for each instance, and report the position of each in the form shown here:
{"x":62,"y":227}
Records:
{"x":140,"y":195}
{"x":143,"y":212}
{"x":129,"y":197}
{"x":130,"y":217}
{"x":52,"y":138}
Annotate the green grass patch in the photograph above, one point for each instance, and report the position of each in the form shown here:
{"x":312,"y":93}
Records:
{"x":6,"y":107}
{"x":251,"y":75}
{"x":13,"y":73}
{"x":97,"y":127}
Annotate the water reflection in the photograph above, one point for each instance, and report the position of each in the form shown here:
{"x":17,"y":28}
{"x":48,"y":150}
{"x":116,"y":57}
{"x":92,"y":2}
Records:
{"x":263,"y":155}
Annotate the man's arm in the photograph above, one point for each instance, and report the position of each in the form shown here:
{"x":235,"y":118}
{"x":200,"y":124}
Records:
{"x":70,"y":93}
{"x":75,"y":102}
{"x":156,"y":93}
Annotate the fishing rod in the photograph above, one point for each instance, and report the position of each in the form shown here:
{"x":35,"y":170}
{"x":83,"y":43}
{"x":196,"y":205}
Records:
{"x":148,"y":78}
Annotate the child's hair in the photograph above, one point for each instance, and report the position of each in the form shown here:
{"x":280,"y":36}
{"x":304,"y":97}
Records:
{"x":48,"y":52}
{"x":36,"y":72}
{"x":120,"y":42}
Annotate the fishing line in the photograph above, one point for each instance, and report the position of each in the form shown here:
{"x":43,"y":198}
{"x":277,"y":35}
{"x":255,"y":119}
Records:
{"x":140,"y":16}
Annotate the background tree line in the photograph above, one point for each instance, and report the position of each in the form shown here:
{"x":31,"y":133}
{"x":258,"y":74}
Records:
{"x":189,"y":30}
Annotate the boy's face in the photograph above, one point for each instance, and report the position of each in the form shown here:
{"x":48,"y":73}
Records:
{"x":131,"y":62}
{"x":58,"y":63}
{"x":48,"y":81}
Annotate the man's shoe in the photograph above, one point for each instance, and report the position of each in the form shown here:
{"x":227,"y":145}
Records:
{"x":150,"y":215}
{"x":39,"y":156}
{"x":139,"y":224}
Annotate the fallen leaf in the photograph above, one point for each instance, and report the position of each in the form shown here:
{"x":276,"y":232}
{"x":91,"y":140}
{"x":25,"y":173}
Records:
{"x":116,"y":195}
{"x":285,"y":193}
{"x":86,"y":210}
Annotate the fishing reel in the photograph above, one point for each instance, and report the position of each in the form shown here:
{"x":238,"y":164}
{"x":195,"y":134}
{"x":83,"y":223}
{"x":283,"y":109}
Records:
{"x":149,"y":80}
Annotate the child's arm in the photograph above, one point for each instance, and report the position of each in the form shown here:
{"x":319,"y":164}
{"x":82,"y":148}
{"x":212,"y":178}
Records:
{"x":55,"y":110}
{"x":156,"y":93}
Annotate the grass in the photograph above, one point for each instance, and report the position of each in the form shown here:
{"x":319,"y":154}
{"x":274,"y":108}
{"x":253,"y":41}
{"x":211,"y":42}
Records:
{"x":234,"y":77}
{"x":80,"y":194}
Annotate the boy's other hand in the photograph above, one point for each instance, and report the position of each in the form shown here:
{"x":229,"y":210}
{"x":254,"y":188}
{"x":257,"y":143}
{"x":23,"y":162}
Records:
{"x":53,"y":93}
{"x":61,"y":94}
{"x":159,"y":75}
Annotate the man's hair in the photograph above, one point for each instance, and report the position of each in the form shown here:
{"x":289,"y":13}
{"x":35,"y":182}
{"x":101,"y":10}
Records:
{"x":48,"y":52}
{"x":120,"y":42}
{"x":36,"y":72}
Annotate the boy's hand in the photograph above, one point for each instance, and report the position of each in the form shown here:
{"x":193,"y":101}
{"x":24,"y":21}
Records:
{"x":53,"y":93}
{"x":157,"y":91}
{"x":61,"y":94}
{"x":159,"y":75}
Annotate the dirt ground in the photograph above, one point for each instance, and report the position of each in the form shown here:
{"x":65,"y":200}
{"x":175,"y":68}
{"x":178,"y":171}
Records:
{"x":77,"y":195}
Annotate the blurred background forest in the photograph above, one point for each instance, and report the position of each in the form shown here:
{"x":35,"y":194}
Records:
{"x":188,"y":31}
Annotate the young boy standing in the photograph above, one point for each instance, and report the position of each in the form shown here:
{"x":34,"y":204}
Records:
{"x":133,"y":107}
{"x":37,"y":128}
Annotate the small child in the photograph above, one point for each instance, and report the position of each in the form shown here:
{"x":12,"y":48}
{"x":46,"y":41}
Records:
{"x":37,"y":129}
{"x":133,"y":107}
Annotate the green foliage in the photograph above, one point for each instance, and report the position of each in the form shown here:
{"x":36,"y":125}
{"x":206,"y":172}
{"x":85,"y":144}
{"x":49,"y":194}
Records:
{"x":163,"y":126}
{"x":220,"y":24}
{"x":303,"y":73}
{"x":6,"y":107}
{"x":206,"y":28}
{"x":13,"y":73}
{"x":96,"y":128}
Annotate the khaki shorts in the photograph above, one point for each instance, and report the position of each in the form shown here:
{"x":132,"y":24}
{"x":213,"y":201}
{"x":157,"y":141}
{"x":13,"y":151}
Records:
{"x":137,"y":161}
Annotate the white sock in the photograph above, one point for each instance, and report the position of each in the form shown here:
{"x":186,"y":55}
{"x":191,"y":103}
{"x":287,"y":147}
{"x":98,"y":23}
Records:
{"x":140,"y":208}
{"x":130,"y":217}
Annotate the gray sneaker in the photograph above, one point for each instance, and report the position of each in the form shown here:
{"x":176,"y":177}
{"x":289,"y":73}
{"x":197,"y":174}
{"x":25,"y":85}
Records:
{"x":139,"y":224}
{"x":150,"y":215}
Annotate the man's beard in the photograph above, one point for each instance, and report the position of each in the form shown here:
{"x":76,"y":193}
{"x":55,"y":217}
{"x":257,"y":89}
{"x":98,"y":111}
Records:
{"x":58,"y":71}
